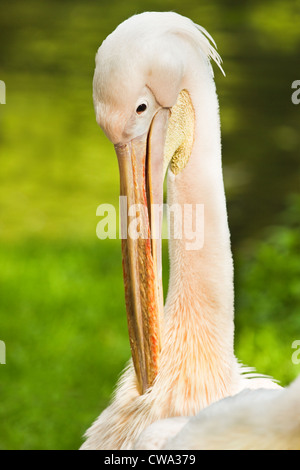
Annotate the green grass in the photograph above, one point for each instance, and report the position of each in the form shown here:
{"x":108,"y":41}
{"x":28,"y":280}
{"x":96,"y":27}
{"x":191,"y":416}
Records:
{"x":64,"y":324}
{"x":268,"y":299}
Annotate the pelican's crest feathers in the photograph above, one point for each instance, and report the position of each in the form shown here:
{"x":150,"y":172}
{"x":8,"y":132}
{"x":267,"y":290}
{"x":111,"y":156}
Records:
{"x":161,"y":23}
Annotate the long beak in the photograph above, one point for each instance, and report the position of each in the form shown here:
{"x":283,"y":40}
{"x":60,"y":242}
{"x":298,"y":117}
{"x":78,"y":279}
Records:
{"x":141,"y":181}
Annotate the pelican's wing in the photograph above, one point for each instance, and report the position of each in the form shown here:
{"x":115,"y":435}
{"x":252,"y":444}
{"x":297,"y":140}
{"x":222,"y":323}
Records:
{"x":252,"y":419}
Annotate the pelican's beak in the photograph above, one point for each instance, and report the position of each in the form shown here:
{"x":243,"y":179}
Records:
{"x":141,"y":181}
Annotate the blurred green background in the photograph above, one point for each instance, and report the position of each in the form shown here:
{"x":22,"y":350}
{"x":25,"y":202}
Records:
{"x":62,"y":313}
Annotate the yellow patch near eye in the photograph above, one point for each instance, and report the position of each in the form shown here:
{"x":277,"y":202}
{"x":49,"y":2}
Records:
{"x":180,"y":134}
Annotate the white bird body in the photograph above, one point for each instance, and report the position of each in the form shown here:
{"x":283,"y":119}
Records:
{"x":161,"y":54}
{"x":253,"y":419}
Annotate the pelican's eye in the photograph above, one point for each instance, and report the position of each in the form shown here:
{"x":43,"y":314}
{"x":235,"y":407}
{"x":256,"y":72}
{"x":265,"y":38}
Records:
{"x":141,"y":108}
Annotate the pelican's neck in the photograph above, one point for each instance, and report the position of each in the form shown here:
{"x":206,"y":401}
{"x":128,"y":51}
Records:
{"x":199,"y":306}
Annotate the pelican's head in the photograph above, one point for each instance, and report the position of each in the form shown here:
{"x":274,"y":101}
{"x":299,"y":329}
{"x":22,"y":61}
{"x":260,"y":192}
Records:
{"x":143,"y":106}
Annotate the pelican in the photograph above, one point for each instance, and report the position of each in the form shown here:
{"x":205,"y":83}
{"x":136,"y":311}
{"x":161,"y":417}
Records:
{"x":155,"y":99}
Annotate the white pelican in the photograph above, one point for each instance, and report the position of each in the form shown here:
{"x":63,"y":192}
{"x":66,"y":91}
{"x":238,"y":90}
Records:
{"x":155,"y":99}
